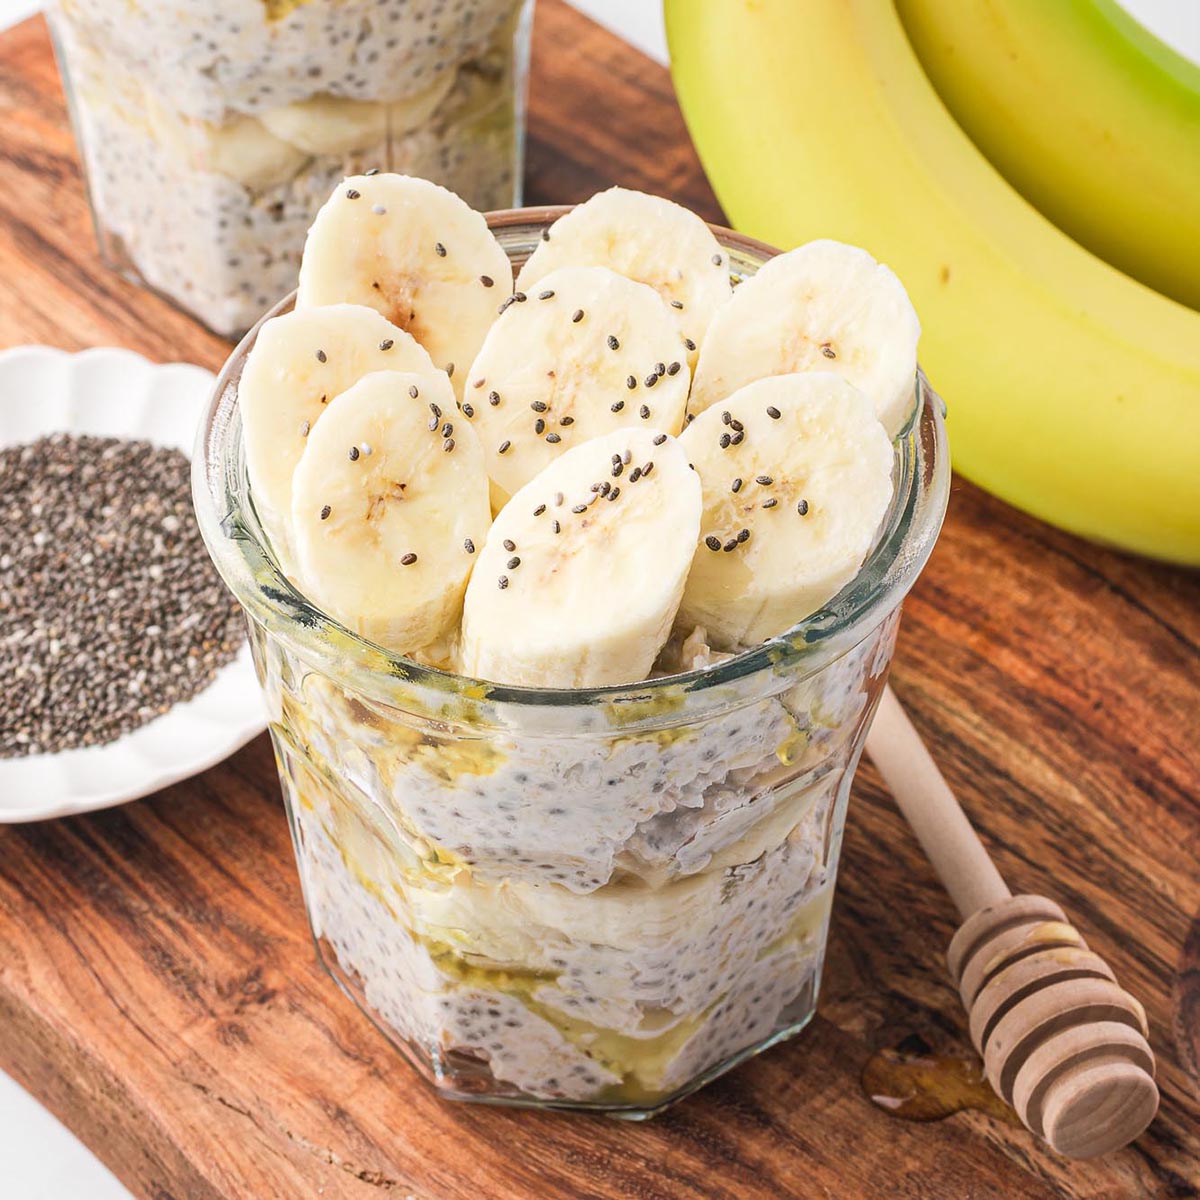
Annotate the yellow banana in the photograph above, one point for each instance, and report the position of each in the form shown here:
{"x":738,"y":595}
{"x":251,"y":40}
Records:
{"x":1088,"y":115}
{"x":1074,"y":391}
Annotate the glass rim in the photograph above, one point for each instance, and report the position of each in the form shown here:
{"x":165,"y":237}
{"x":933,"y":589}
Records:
{"x":241,"y":550}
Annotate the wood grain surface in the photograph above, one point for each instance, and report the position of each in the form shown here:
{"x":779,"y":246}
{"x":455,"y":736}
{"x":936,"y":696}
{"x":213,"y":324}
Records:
{"x":158,"y":988}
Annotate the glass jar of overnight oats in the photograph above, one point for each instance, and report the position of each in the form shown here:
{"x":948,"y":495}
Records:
{"x":579,"y":899}
{"x":212,"y":132}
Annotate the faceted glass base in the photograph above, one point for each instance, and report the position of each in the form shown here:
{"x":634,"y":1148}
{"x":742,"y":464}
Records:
{"x":465,"y":1077}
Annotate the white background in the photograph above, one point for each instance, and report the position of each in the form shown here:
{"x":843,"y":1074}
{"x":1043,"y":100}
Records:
{"x":39,"y":1159}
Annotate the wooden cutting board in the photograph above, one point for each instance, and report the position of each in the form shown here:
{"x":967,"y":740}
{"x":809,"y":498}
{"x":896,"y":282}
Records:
{"x":158,"y":988}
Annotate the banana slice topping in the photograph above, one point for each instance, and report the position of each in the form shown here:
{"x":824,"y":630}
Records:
{"x":586,"y":352}
{"x":388,"y":501}
{"x":416,"y":253}
{"x":648,"y":239}
{"x":582,"y":572}
{"x":299,"y":362}
{"x":824,"y":306}
{"x":797,"y":477}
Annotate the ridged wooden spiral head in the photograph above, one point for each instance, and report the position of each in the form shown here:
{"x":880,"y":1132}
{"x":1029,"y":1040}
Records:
{"x":1061,"y":1041}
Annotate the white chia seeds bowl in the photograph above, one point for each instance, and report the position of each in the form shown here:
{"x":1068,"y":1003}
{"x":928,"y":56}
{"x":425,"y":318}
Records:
{"x":596,"y":899}
{"x":108,"y":393}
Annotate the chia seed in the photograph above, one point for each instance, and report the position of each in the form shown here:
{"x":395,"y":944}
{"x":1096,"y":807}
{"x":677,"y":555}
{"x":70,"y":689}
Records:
{"x":112,"y":611}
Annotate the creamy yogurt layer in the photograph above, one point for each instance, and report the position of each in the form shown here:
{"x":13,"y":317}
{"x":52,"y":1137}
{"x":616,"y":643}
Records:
{"x":582,"y":811}
{"x":598,"y":919}
{"x":619,"y":996}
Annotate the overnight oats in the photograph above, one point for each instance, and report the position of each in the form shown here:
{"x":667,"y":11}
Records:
{"x":572,"y":596}
{"x":211,"y":132}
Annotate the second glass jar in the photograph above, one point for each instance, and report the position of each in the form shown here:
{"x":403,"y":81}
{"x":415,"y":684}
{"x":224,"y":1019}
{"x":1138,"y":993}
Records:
{"x":211,"y":133}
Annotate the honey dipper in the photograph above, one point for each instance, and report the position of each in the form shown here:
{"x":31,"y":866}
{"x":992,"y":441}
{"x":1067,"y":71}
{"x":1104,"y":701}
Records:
{"x":1061,"y":1041}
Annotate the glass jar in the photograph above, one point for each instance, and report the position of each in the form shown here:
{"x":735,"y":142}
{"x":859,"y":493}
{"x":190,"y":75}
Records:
{"x":576,"y":899}
{"x":212,"y":132}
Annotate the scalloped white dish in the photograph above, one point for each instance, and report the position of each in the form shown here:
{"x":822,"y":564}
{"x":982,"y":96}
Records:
{"x":116,"y":393}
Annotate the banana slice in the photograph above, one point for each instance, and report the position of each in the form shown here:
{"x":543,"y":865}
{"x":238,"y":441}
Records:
{"x":585,"y":352}
{"x":797,"y":476}
{"x":582,"y":572}
{"x":300,"y":361}
{"x":824,"y":306}
{"x":389,"y":500}
{"x":337,"y":125}
{"x":245,"y":151}
{"x":414,"y":111}
{"x":328,"y":125}
{"x":416,"y":253}
{"x":241,"y":149}
{"x":648,"y":239}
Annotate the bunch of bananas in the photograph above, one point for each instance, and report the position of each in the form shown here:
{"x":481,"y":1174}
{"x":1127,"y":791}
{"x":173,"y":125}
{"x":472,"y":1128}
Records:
{"x":1032,"y":173}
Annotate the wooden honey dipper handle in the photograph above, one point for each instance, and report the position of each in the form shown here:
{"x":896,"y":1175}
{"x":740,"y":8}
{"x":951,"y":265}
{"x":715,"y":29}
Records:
{"x":924,"y":797}
{"x":1061,"y":1041}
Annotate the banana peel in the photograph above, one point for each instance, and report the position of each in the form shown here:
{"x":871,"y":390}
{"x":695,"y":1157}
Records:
{"x":1092,"y":119}
{"x":1073,"y":390}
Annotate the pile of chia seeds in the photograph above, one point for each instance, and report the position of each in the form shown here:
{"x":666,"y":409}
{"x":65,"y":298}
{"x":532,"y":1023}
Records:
{"x":110,"y":609}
